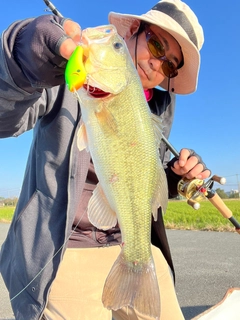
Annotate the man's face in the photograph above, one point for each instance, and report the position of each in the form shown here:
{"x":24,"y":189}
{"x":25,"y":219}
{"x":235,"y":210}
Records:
{"x":149,"y":67}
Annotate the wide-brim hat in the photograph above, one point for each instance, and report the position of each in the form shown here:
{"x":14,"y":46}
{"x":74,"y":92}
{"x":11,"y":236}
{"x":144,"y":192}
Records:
{"x":175,"y":17}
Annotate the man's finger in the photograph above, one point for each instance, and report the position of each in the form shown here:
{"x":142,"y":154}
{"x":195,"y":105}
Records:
{"x":66,"y":48}
{"x":73,"y":30}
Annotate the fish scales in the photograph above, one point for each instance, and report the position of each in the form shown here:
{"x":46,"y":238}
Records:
{"x":118,"y":131}
{"x":123,"y":157}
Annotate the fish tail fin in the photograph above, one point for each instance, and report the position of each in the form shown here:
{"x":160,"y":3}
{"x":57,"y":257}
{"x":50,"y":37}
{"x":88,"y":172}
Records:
{"x":134,"y":285}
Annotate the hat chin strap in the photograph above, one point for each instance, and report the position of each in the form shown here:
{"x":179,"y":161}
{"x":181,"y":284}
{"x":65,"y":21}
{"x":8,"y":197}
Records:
{"x":135,"y":51}
{"x":168,"y":89}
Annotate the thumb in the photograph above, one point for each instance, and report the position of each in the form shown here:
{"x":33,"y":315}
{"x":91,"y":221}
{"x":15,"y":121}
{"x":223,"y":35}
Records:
{"x":66,"y":48}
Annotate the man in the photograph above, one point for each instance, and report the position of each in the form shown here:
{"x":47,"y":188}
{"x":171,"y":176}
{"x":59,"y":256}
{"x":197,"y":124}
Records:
{"x":54,"y":262}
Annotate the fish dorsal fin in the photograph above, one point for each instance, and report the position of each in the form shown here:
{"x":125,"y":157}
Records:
{"x":104,"y":116}
{"x":82,"y":141}
{"x":160,"y":198}
{"x":100,"y":213}
{"x":158,"y":128}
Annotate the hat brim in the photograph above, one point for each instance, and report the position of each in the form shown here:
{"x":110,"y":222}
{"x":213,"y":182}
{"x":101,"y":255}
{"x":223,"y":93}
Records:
{"x":186,"y":80}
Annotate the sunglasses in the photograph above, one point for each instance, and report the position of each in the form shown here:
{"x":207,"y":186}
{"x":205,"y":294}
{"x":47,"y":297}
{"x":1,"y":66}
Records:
{"x":156,"y":48}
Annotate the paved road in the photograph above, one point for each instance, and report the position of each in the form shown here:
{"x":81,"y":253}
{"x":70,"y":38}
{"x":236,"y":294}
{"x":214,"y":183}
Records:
{"x":206,"y":265}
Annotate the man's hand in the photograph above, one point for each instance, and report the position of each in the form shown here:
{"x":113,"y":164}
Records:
{"x":190,"y":165}
{"x":42,"y":48}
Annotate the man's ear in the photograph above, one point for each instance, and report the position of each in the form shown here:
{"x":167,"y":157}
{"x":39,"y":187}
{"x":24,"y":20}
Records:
{"x":133,"y":29}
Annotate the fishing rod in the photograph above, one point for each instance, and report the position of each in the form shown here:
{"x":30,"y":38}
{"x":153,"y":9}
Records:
{"x":195,"y":190}
{"x":54,"y":10}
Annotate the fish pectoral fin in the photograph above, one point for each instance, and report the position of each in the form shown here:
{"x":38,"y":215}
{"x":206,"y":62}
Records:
{"x":82,"y":141}
{"x":160,"y":198}
{"x":104,"y":116}
{"x":134,"y":285}
{"x":158,"y":128}
{"x":100,"y":213}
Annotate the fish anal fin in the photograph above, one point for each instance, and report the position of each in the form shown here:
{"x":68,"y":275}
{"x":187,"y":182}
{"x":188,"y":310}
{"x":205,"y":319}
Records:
{"x":82,"y":141}
{"x":100,"y":213}
{"x":132,"y":286}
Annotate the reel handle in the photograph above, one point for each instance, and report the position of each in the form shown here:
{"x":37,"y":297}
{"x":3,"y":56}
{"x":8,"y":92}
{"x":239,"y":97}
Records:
{"x":218,"y":179}
{"x":194,"y":204}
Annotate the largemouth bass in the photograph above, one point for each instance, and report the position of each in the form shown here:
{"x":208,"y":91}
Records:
{"x":118,"y":131}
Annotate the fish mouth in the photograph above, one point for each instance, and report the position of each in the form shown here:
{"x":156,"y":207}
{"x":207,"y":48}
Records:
{"x":95,"y":92}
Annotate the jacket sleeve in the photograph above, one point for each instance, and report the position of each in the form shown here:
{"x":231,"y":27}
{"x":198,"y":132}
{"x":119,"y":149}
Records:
{"x":29,"y":67}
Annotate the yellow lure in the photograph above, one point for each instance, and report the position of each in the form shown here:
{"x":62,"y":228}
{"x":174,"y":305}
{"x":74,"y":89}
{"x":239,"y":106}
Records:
{"x":75,"y":73}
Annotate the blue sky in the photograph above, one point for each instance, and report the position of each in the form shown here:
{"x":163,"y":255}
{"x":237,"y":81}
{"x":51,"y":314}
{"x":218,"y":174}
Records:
{"x":206,"y":121}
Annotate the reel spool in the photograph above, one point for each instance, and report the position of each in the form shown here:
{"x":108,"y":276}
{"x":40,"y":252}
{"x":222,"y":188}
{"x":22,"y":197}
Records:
{"x":193,"y":191}
{"x":196,"y":190}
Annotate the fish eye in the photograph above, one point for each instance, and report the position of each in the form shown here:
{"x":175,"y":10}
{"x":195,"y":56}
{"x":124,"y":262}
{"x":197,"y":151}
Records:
{"x":117,"y":45}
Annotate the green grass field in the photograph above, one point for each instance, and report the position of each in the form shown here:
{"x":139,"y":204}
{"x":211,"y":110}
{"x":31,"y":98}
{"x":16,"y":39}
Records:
{"x":6,"y":213}
{"x":180,"y":215}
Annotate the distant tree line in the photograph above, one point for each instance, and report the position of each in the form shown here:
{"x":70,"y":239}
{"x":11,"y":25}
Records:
{"x":222,"y":194}
{"x":8,"y":201}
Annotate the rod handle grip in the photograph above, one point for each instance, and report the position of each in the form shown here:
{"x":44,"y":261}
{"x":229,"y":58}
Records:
{"x":220,"y":205}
